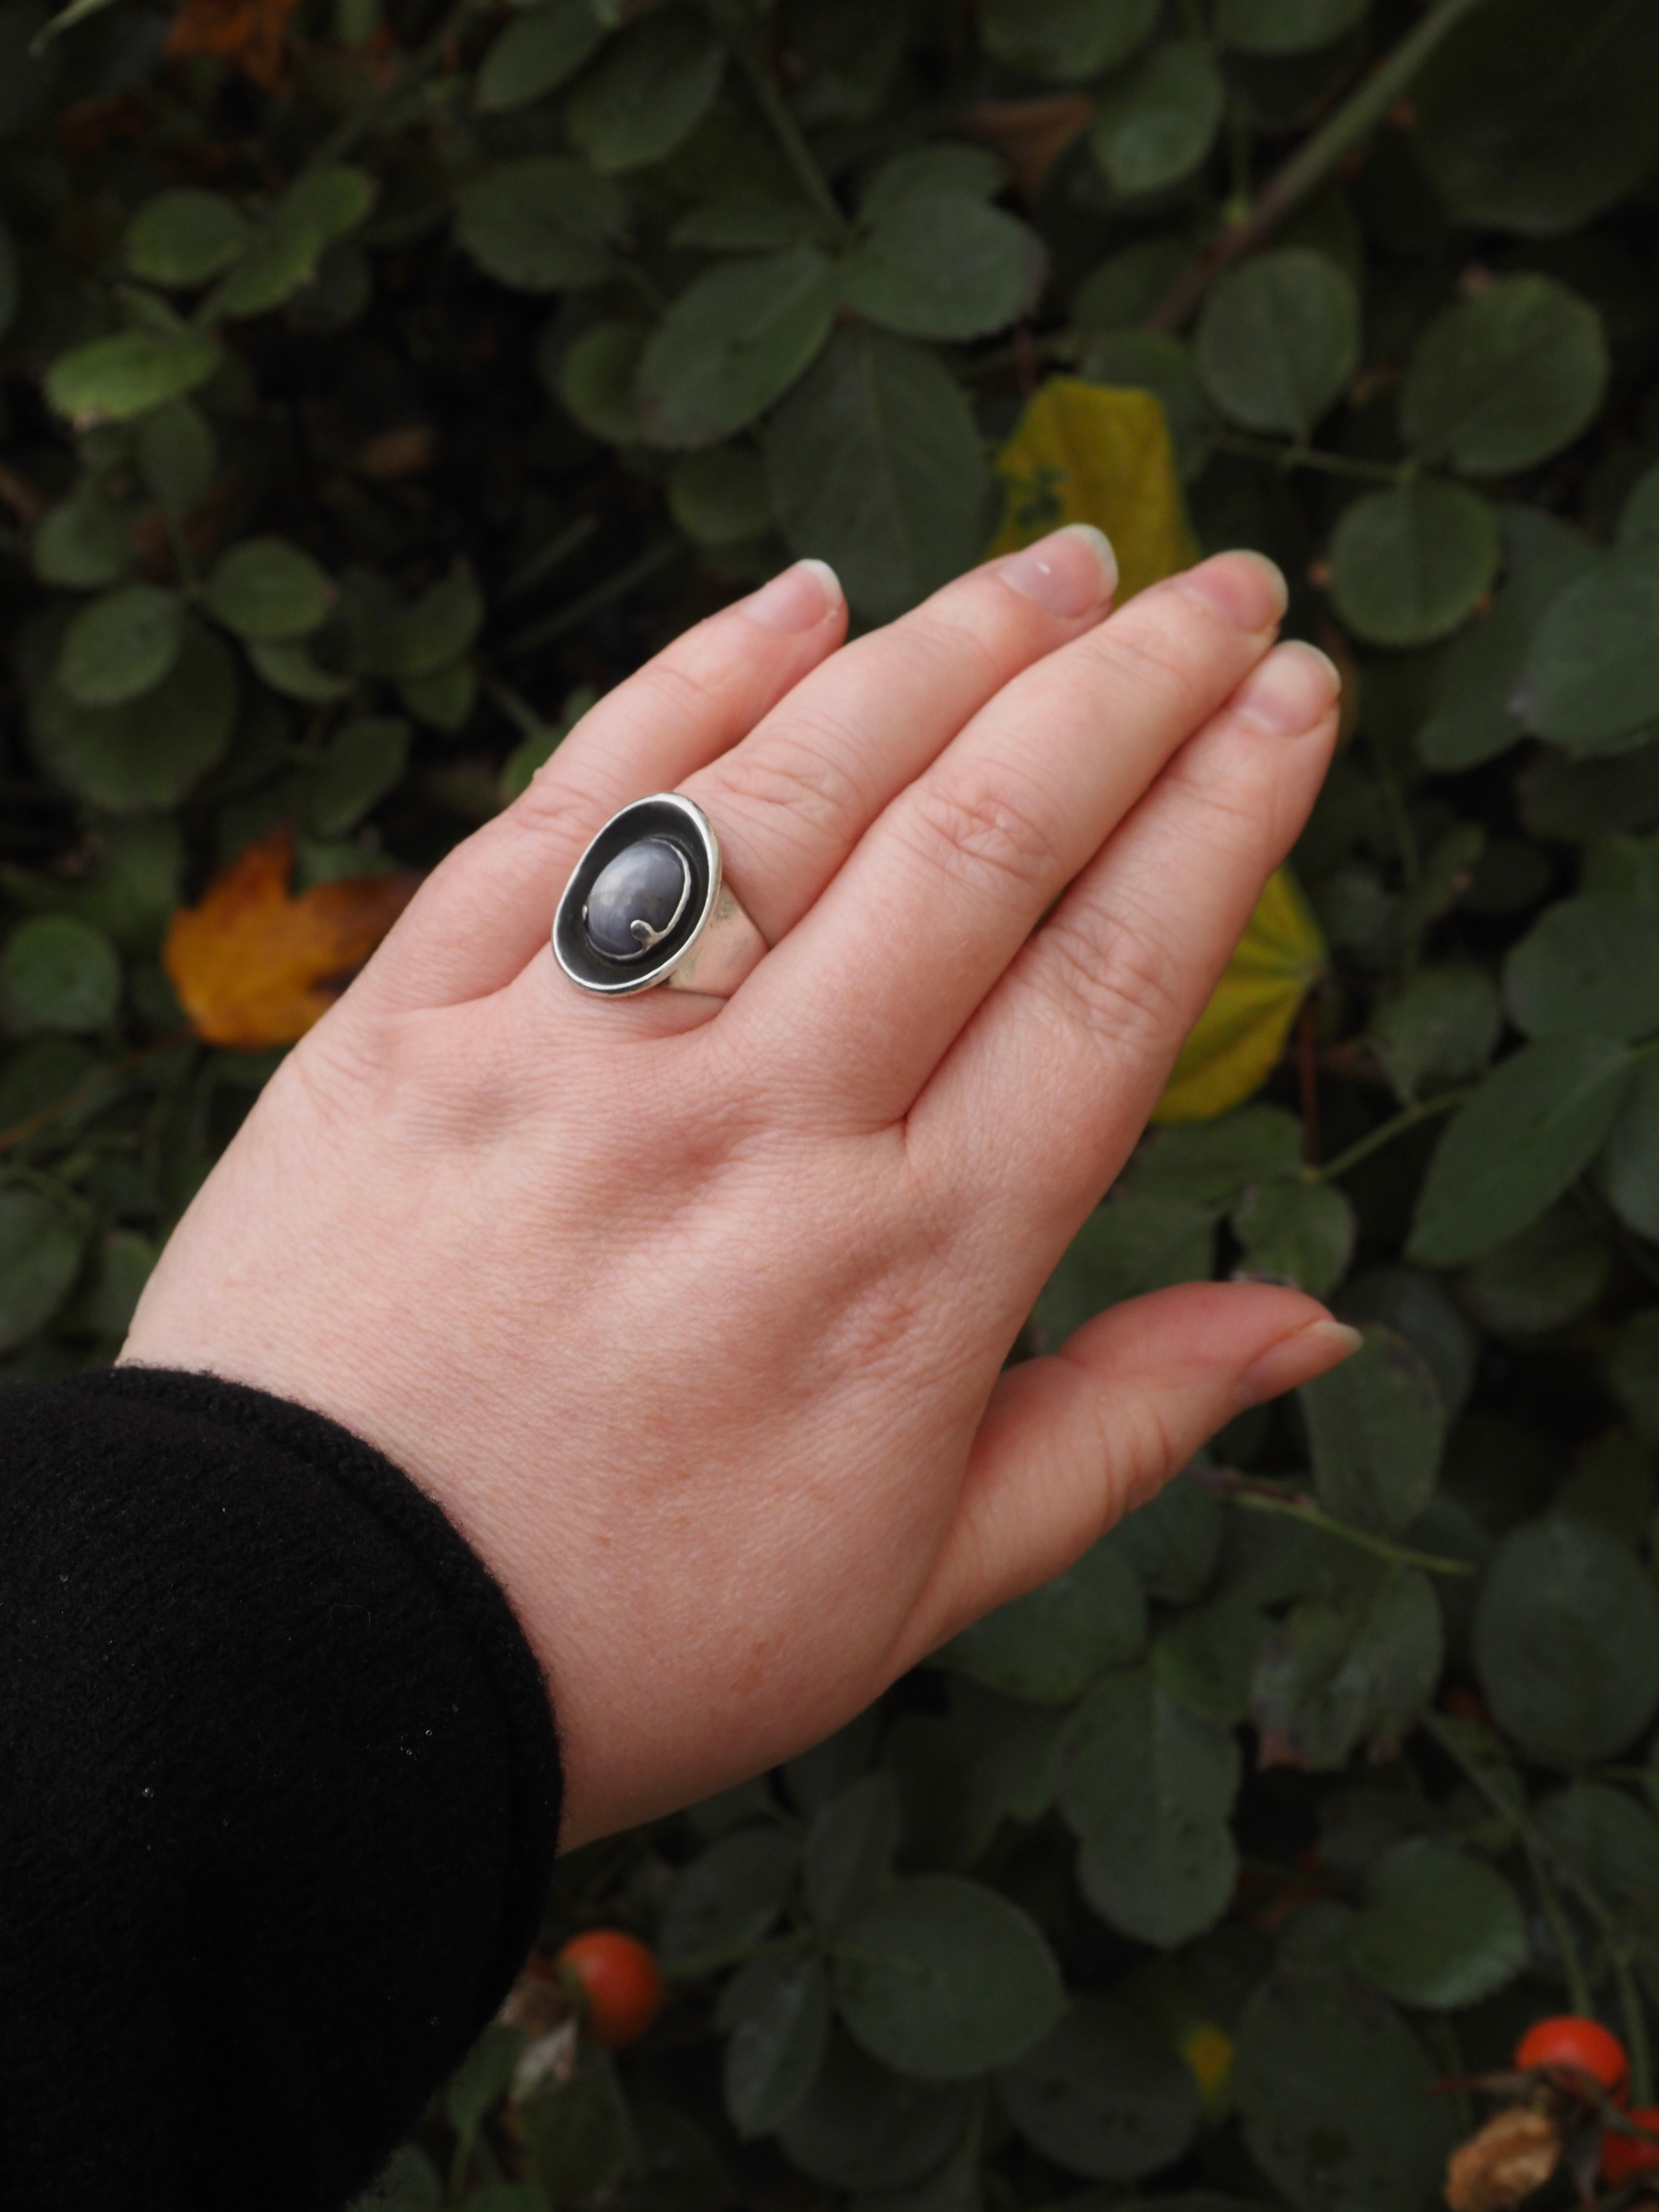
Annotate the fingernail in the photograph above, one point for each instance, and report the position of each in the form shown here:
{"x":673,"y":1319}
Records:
{"x":800,"y":598}
{"x":1245,"y":589}
{"x":1070,"y":572}
{"x":1294,"y":688}
{"x":1297,"y":1359}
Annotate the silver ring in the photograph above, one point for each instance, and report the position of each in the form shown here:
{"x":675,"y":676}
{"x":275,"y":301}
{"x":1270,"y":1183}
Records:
{"x":647,"y":904}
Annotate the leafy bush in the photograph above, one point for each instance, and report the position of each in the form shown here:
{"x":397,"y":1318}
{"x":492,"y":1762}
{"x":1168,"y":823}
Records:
{"x":381,"y":385}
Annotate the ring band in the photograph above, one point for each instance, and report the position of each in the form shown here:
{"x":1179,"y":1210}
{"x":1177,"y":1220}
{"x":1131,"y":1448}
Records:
{"x":647,"y":904}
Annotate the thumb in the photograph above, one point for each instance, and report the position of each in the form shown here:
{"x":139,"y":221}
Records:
{"x":1071,"y":1443}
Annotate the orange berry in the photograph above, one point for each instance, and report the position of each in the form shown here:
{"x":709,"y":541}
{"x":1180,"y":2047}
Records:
{"x":619,"y":1982}
{"x":1570,"y":2045}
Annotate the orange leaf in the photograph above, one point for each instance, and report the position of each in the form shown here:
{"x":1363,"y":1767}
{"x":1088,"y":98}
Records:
{"x":254,"y":966}
{"x":250,"y":32}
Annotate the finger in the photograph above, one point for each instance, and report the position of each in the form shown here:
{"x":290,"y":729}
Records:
{"x":487,"y":909}
{"x":793,"y":797}
{"x":1071,"y":1443}
{"x":1077,"y":1040}
{"x":938,"y":898}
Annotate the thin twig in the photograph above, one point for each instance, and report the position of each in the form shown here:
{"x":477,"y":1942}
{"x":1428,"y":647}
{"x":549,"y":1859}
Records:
{"x":1425,"y":1110}
{"x":1259,"y":1498}
{"x":1316,"y":160}
{"x":414,"y":67}
{"x":1287,"y":457}
{"x":615,"y":586}
{"x":791,"y":139}
{"x":20,"y":1131}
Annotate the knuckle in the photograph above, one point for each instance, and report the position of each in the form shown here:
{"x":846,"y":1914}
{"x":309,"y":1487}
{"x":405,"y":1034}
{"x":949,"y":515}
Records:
{"x":1147,"y":656}
{"x":1111,"y":976}
{"x":980,"y":827}
{"x":796,"y":774}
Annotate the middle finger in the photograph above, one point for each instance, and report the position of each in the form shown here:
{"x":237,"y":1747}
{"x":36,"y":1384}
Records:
{"x":943,"y":890}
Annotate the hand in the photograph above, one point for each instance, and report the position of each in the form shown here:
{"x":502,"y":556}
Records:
{"x":692,"y":1314}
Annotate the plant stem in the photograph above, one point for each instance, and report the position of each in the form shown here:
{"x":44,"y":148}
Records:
{"x":1425,"y":1110}
{"x":791,"y":139}
{"x":1313,"y":456}
{"x":1258,"y":1499}
{"x":20,"y":1131}
{"x":1572,"y":1966}
{"x":420,"y":63}
{"x":1310,"y":166}
{"x":615,"y":586}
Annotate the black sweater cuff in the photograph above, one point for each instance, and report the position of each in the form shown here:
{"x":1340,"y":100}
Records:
{"x":279,"y":1797}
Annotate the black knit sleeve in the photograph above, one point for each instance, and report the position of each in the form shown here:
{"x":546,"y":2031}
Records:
{"x":279,"y":1795}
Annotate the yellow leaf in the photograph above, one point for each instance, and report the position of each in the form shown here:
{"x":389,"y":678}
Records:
{"x":255,"y":967}
{"x":1085,"y":453}
{"x":1236,"y":1043}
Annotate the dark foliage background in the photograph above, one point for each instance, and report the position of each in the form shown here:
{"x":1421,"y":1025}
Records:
{"x":379,"y":386}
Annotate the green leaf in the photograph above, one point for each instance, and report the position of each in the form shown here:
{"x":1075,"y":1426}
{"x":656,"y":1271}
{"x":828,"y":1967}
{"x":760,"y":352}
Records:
{"x":269,"y":592}
{"x":176,"y":455}
{"x":579,"y":2135}
{"x":1437,"y":1929}
{"x":875,"y":467}
{"x":431,"y":632}
{"x":115,"y":379}
{"x":1334,"y":2091}
{"x":1589,"y":964}
{"x":1102,"y":2097}
{"x":1442,"y":1027}
{"x":365,"y":761}
{"x":1066,"y":39}
{"x":596,"y":379}
{"x":943,"y":1977}
{"x":720,"y":494}
{"x":949,"y":165}
{"x":862,"y":2126}
{"x":1206,"y":1659}
{"x":122,"y":1267}
{"x":544,"y":223}
{"x":1503,"y":380}
{"x":84,"y":541}
{"x":1566,"y":1643}
{"x":1416,"y":1305}
{"x":1638,"y":519}
{"x":148,"y":752}
{"x":1533,"y":122}
{"x":1630,"y":1163}
{"x":648,"y":92}
{"x":1138,"y":1241}
{"x":1529,"y":1131}
{"x":732,"y":344}
{"x":725,"y":1900}
{"x":1279,"y":341}
{"x":408,"y":2179}
{"x":961,"y":1774}
{"x":1544,"y":1278}
{"x":1474,"y":712}
{"x":122,"y":645}
{"x":1173,"y":1540}
{"x":58,"y":973}
{"x":1215,"y":1163}
{"x":445,"y":699}
{"x":1375,"y":1432}
{"x":482,"y":2080}
{"x":1148,"y":1785}
{"x":1341,"y":1671}
{"x":536,"y":55}
{"x":1603,"y":1840}
{"x":1592,"y":676}
{"x":1286,"y":26}
{"x":1407,"y":566}
{"x":1294,"y":1231}
{"x":1633,"y":1360}
{"x":290,"y":670}
{"x":40,"y":1259}
{"x":776,"y":2013}
{"x":944,"y":266}
{"x":849,"y":1849}
{"x":1157,"y":120}
{"x":1120,"y":291}
{"x":185,"y":237}
{"x":1048,"y":1645}
{"x":323,"y":206}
